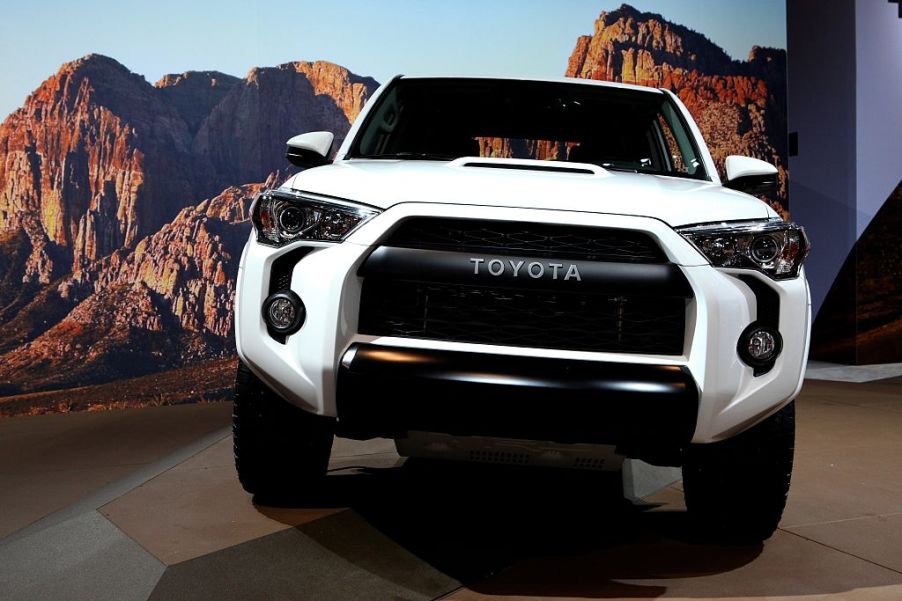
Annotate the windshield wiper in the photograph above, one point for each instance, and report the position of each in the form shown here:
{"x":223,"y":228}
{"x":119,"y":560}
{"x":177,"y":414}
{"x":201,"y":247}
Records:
{"x":648,"y":171}
{"x":610,"y":167}
{"x":413,"y":156}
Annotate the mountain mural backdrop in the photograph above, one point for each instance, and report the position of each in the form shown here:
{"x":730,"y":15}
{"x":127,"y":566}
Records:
{"x":124,"y":208}
{"x":124,"y":205}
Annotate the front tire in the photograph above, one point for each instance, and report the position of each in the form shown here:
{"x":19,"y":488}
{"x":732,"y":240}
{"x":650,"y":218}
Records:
{"x":280,"y":450}
{"x":736,"y":489}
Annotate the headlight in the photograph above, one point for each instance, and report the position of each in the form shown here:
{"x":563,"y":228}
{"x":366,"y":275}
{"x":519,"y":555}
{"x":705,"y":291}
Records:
{"x":774,"y":247}
{"x":281,"y":217}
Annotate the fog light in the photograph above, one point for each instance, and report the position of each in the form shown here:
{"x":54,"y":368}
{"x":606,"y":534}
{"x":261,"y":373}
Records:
{"x":284,"y":312}
{"x":759,"y":345}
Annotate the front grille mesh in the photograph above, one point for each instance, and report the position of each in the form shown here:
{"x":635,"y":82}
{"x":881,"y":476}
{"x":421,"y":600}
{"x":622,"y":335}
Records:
{"x":528,"y":239}
{"x":517,"y":317}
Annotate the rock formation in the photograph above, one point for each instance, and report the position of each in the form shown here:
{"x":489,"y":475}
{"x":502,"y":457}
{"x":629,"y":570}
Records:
{"x":164,"y":303}
{"x":94,"y":160}
{"x":740,"y":107}
{"x":107,"y":264}
{"x":194,"y":94}
{"x":98,"y":158}
{"x":244,"y":135}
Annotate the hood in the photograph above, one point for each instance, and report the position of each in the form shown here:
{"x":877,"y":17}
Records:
{"x":385,"y":183}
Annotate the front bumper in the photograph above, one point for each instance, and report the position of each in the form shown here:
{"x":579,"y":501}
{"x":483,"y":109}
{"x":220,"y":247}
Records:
{"x":730,"y":398}
{"x":390,"y":392}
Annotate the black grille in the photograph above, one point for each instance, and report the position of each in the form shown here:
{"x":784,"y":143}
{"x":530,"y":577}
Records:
{"x":529,"y":239}
{"x":516,"y":317}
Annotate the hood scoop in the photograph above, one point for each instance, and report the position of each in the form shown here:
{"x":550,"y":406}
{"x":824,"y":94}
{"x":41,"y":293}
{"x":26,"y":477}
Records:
{"x":528,"y":165}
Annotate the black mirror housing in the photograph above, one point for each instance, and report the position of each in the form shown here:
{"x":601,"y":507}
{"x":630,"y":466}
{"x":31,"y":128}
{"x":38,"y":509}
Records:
{"x":756,"y":185}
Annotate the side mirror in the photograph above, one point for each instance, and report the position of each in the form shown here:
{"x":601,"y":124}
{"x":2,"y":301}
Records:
{"x":751,"y":176}
{"x":310,"y":149}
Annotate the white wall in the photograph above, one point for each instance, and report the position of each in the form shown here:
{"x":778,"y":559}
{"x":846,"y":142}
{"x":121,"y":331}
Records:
{"x":878,"y":44}
{"x":821,"y":103}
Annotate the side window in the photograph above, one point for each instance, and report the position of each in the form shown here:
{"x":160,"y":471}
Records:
{"x":680,"y":147}
{"x":380,"y":125}
{"x":674,"y":156}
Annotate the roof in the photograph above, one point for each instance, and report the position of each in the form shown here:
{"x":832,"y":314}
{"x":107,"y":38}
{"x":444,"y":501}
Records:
{"x":565,"y":80}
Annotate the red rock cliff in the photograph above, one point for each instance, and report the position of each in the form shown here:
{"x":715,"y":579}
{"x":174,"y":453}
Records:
{"x":98,"y":158}
{"x":109,"y":267}
{"x":244,"y":135}
{"x":94,"y":160}
{"x":740,"y":107}
{"x":164,"y":303}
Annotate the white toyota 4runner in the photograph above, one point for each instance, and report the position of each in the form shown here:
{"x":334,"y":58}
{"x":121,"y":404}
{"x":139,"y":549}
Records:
{"x":530,"y":272}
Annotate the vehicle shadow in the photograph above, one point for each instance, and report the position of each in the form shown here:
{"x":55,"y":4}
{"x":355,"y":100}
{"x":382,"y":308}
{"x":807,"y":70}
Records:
{"x":568,"y":533}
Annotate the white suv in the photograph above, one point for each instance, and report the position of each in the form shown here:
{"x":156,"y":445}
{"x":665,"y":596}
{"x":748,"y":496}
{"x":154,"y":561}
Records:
{"x":531,"y":272}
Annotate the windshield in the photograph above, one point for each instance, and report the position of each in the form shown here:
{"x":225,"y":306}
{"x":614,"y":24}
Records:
{"x":444,"y":118}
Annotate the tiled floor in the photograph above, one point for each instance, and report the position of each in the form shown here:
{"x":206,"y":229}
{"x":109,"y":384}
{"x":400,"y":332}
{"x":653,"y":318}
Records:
{"x":180,"y":527}
{"x":48,"y":462}
{"x":818,"y":370}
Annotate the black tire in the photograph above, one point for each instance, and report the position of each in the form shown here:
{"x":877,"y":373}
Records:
{"x":736,"y":489}
{"x":281,"y":451}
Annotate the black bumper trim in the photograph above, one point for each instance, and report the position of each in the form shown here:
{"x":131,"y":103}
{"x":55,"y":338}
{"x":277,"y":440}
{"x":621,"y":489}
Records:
{"x":768,"y":304}
{"x":388,"y":391}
